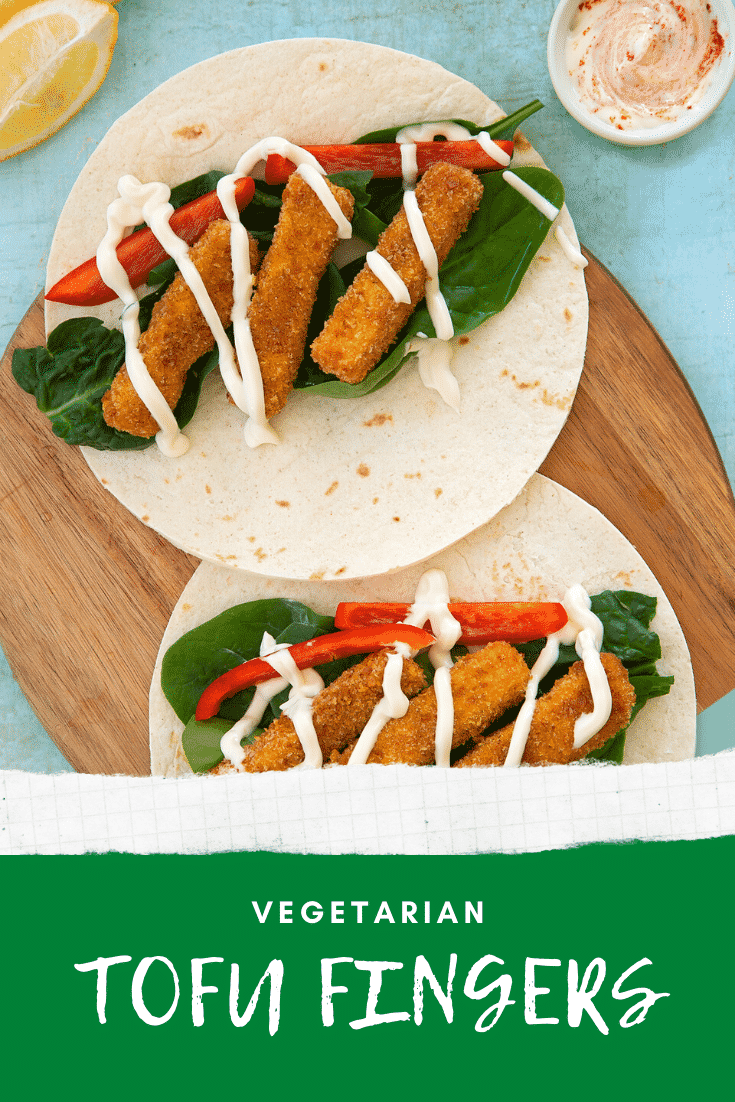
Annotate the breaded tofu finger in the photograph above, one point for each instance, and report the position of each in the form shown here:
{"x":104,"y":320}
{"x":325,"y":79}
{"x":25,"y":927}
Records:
{"x":551,"y":738}
{"x":484,"y":685}
{"x":367,"y":320}
{"x":177,"y":334}
{"x":284,"y":297}
{"x":340,"y":713}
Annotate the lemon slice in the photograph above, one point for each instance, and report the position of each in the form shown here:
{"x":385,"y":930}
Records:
{"x":54,"y":56}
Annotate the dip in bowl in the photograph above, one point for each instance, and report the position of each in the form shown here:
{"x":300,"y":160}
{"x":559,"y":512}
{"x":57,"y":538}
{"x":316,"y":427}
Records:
{"x":641,"y":72}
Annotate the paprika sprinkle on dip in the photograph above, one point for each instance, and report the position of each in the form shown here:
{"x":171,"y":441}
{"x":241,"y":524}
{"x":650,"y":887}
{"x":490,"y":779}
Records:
{"x":637,"y":65}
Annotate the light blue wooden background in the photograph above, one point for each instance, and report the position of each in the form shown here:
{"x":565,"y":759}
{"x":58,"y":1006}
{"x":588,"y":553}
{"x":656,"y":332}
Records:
{"x":661,"y":219}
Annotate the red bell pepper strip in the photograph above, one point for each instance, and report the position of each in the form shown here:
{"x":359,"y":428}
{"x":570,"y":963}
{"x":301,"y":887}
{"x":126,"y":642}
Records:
{"x":383,"y":159}
{"x":140,"y":253}
{"x":325,"y":648}
{"x":511,"y":621}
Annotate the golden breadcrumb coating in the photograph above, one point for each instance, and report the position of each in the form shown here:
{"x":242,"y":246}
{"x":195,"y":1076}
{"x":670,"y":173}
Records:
{"x":284,"y":297}
{"x":484,"y":685}
{"x":177,"y":334}
{"x":551,"y":738}
{"x":367,"y":320}
{"x":340,"y":713}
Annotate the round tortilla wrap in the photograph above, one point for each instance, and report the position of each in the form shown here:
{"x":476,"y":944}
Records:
{"x":360,"y":486}
{"x":546,"y":541}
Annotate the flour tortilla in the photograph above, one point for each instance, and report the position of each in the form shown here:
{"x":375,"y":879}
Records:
{"x":546,"y":541}
{"x":360,"y":486}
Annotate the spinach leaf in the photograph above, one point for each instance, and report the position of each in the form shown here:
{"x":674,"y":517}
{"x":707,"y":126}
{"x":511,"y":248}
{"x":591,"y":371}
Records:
{"x":261,"y":214}
{"x":201,"y":742}
{"x":194,"y":189}
{"x":366,"y":224}
{"x":503,"y":129}
{"x":69,"y":377}
{"x":331,"y":288}
{"x":613,"y":749}
{"x":230,"y":639}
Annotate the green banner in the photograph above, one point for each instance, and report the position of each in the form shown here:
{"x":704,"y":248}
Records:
{"x":601,"y":972}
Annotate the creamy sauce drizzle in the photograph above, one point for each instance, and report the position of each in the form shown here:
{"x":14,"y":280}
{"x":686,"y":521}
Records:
{"x":435,"y":301}
{"x":393,"y":705}
{"x":431,"y":605}
{"x":571,"y":251}
{"x":637,"y":65}
{"x":230,"y":743}
{"x":150,"y":203}
{"x":138,"y":202}
{"x":585,"y":630}
{"x":435,"y":370}
{"x":534,"y":197}
{"x":434,"y":367}
{"x":305,"y":685}
{"x":388,"y":276}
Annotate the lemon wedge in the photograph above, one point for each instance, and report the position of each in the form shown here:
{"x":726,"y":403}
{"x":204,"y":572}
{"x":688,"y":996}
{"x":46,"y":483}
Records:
{"x":54,"y":56}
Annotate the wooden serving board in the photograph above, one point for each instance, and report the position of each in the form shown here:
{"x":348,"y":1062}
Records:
{"x":87,"y":589}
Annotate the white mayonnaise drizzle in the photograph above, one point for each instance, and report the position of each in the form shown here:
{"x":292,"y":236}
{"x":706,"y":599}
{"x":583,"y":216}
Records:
{"x":534,"y":197}
{"x":392,"y":705}
{"x":492,"y":148}
{"x":434,"y":361}
{"x":388,"y":276}
{"x":138,"y":202}
{"x":522,"y":725}
{"x":435,"y":301}
{"x":305,"y":685}
{"x":230,"y":743}
{"x":551,"y":212}
{"x":585,"y":630}
{"x":571,"y":251}
{"x":150,"y":203}
{"x":453,"y":132}
{"x":432,"y":603}
{"x":257,"y":429}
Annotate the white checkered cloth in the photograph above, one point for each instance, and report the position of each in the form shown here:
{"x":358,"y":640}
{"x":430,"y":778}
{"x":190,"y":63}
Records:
{"x":371,"y":810}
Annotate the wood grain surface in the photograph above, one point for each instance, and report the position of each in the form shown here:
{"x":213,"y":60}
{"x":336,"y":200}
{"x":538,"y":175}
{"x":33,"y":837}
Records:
{"x":87,"y":589}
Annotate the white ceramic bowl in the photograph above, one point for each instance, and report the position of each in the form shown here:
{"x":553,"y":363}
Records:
{"x":722,"y":78}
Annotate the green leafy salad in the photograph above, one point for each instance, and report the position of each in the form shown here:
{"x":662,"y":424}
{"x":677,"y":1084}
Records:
{"x":196,"y":659}
{"x":478,"y":279}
